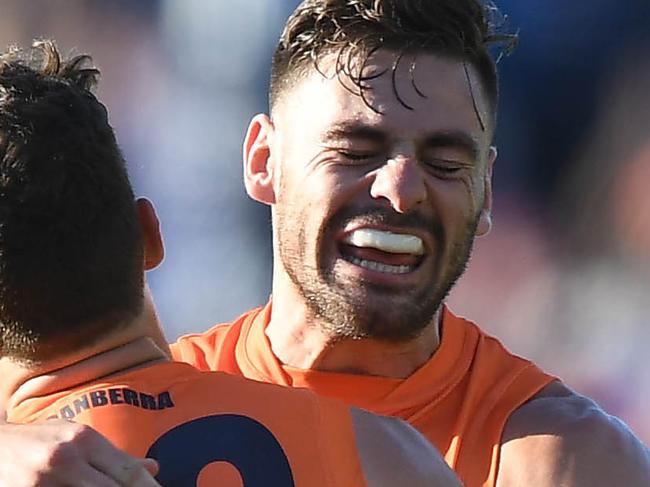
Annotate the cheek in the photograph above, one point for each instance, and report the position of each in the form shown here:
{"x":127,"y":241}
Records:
{"x":327,"y":190}
{"x":455,"y":200}
{"x":304,"y":208}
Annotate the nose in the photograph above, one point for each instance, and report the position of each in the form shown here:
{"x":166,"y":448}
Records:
{"x":401,"y":182}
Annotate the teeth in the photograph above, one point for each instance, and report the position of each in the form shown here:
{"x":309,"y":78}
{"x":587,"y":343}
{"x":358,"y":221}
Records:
{"x":394,"y":243}
{"x":377,"y":266}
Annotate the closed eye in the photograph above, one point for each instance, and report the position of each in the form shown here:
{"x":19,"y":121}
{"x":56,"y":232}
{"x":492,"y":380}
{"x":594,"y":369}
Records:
{"x":357,"y":156}
{"x":444,"y":167}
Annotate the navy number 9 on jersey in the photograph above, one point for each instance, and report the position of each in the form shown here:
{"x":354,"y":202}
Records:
{"x":248,"y":445}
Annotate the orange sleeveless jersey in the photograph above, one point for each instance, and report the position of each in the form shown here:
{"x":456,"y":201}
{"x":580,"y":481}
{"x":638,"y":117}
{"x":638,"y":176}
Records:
{"x":460,"y":399}
{"x":211,"y":429}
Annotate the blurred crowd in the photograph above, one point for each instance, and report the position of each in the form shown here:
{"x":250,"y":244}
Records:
{"x":564,"y":278}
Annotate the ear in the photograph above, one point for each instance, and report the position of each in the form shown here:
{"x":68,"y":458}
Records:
{"x":485,"y":218}
{"x":258,"y":164}
{"x":154,"y":250}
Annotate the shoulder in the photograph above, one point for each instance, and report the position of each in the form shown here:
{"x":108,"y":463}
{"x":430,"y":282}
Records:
{"x":200,"y":339}
{"x":562,"y":438}
{"x":393,"y":453}
{"x":196,"y":349}
{"x":202,"y":350}
{"x":218,"y":330}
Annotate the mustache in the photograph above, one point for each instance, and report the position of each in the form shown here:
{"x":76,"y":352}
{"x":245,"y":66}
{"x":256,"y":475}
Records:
{"x":385,"y":216}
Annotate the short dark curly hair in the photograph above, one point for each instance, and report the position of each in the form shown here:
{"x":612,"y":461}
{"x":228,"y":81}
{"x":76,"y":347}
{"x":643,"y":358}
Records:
{"x":70,"y":244}
{"x":353,"y":30}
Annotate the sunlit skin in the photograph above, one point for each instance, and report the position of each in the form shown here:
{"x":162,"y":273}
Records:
{"x":329,"y":164}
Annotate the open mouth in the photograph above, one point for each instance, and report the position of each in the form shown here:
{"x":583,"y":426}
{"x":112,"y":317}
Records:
{"x":383,"y":251}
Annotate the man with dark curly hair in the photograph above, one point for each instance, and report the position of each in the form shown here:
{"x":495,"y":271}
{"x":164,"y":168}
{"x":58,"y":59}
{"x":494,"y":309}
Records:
{"x":377,"y":161}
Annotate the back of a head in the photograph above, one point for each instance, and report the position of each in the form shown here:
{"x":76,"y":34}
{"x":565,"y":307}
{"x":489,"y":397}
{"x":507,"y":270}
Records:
{"x":70,"y":243}
{"x":352,"y":30}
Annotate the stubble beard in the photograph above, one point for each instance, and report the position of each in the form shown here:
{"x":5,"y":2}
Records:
{"x":345,"y":308}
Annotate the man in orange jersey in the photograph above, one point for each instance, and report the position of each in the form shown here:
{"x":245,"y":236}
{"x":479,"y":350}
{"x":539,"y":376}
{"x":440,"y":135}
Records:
{"x":80,"y":341}
{"x":377,"y":162}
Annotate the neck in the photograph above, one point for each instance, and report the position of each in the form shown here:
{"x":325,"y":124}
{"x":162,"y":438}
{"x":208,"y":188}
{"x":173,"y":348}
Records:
{"x":299,"y":341}
{"x":139,"y":345}
{"x":23,"y":382}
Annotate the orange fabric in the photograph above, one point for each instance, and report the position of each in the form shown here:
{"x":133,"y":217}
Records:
{"x":315,"y":434}
{"x":460,"y":399}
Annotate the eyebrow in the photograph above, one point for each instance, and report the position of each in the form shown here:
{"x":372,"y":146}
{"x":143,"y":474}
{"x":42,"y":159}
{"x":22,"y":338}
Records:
{"x":455,"y":139}
{"x":355,"y":130}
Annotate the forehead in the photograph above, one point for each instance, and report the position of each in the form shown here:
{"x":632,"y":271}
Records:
{"x":407,"y":96}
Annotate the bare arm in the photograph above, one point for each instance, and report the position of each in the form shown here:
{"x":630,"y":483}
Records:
{"x":393,"y":453}
{"x":60,"y":453}
{"x":562,"y":439}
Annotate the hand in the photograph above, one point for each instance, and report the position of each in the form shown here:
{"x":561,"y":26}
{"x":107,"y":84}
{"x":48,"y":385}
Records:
{"x":62,"y":453}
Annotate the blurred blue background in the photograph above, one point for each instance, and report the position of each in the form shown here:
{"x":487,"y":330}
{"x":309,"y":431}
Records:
{"x":564,"y":278}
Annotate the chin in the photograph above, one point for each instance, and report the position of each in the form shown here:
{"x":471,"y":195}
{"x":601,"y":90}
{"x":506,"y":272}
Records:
{"x":384,"y":319}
